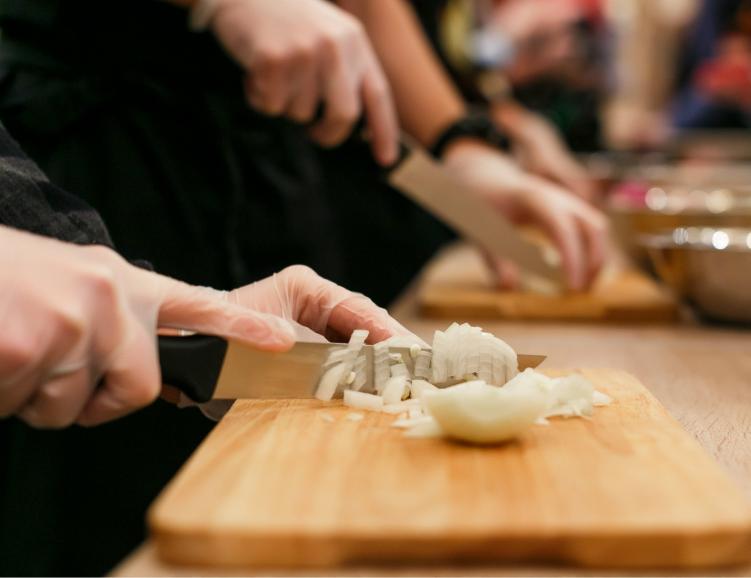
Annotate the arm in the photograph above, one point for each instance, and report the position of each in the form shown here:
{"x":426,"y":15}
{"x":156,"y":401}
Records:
{"x":426,"y":100}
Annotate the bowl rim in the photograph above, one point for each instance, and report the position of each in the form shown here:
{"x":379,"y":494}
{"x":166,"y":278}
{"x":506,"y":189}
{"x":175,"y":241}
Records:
{"x":666,"y":239}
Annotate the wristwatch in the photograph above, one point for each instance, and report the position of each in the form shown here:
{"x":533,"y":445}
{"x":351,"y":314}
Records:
{"x":475,"y":124}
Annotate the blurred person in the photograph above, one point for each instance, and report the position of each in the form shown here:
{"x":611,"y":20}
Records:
{"x":577,"y":230}
{"x":487,"y":45}
{"x":715,"y":83}
{"x":647,"y":38}
{"x":76,"y":314}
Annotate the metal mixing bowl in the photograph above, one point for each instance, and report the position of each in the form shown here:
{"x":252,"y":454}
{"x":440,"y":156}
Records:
{"x":710,"y":267}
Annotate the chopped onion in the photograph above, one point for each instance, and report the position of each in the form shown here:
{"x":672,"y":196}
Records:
{"x":426,"y":429}
{"x":360,"y":400}
{"x":492,"y":402}
{"x":408,"y":422}
{"x":330,"y":381}
{"x":394,"y":390}
{"x":418,"y":387}
{"x":464,"y":350}
{"x":326,"y":417}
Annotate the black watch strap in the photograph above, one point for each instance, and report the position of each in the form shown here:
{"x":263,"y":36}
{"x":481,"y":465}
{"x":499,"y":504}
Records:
{"x":474,"y":125}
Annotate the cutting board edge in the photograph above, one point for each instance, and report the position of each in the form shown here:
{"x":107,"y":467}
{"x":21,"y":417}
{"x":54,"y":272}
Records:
{"x":647,"y":551}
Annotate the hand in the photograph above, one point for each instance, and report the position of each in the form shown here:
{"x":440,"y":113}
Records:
{"x":541,"y":150}
{"x":300,"y":54}
{"x":298,"y":295}
{"x":74,"y":315}
{"x":578,"y":231}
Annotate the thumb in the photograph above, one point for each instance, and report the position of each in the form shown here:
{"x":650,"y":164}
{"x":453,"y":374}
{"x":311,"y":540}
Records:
{"x":207,"y":311}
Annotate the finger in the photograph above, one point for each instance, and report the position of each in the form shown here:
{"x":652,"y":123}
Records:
{"x":342,"y":102}
{"x":565,"y":234}
{"x":506,"y":274}
{"x":381,"y":116}
{"x":307,"y":93}
{"x":130,"y":383}
{"x":207,"y":311}
{"x":595,"y":239}
{"x":59,"y":402}
{"x":267,"y":85}
{"x":359,"y":312}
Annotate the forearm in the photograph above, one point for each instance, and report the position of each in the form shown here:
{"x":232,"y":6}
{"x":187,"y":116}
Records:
{"x":426,"y":100}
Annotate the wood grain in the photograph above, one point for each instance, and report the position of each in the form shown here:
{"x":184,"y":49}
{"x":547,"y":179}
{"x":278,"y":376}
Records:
{"x":458,"y":285}
{"x":277,"y":485}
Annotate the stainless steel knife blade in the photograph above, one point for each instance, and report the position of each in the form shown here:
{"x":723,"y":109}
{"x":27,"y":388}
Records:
{"x":249,"y":373}
{"x":430,"y":185}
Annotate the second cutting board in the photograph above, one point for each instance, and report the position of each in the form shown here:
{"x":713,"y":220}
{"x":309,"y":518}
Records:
{"x":457,"y":285}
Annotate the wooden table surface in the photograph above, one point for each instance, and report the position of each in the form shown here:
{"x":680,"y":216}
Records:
{"x":702,"y":375}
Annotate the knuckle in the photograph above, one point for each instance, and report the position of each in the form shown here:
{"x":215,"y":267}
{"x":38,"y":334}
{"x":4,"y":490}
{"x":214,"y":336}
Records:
{"x":102,"y":284}
{"x":16,"y":354}
{"x":298,"y":272}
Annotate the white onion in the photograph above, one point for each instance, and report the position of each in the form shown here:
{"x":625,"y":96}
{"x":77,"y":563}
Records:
{"x":418,"y":387}
{"x":426,"y":429}
{"x":408,"y":422}
{"x":360,"y":400}
{"x":480,"y":413}
{"x":330,"y":381}
{"x":327,"y":417}
{"x":355,"y":416}
{"x":394,"y":390}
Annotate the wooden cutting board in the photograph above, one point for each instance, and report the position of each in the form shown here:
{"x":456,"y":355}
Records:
{"x":457,"y":285}
{"x":278,"y":485}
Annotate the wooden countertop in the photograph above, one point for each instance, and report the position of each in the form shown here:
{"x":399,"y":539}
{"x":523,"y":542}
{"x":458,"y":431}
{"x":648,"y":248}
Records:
{"x":702,"y":375}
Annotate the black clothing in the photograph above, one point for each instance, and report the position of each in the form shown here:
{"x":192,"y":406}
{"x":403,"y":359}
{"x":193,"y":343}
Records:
{"x":28,"y":201}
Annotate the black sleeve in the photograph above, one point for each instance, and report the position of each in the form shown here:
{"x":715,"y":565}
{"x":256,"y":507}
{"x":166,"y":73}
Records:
{"x":28,"y":201}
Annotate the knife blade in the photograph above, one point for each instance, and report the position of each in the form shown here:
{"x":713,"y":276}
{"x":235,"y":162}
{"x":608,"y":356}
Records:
{"x":205,"y":367}
{"x":434,"y":188}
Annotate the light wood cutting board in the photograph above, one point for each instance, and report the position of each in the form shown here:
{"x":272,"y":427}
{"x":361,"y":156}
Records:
{"x":277,"y":485}
{"x":457,"y":285}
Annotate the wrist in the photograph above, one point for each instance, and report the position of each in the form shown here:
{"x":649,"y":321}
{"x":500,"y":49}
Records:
{"x":474,"y":127}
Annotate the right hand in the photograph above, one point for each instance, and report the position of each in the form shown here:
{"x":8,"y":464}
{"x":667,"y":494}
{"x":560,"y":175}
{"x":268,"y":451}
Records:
{"x":72,"y":316}
{"x":300,"y":54}
{"x":578,"y":230}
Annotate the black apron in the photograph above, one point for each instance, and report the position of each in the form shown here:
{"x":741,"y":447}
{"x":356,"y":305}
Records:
{"x":117,"y":102}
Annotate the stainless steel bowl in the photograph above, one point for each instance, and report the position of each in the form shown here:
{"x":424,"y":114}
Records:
{"x":710,"y":267}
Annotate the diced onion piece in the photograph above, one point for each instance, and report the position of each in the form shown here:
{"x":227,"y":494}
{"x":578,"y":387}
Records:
{"x":327,"y":417}
{"x":399,"y":370}
{"x":408,"y":422}
{"x":418,"y":387}
{"x":422,"y":364}
{"x":360,"y":400}
{"x":426,"y":429}
{"x":571,"y":396}
{"x":355,"y":416}
{"x":394,"y":390}
{"x":479,"y":413}
{"x":414,"y":413}
{"x":330,"y":381}
{"x":397,"y":408}
{"x":599,"y":398}
{"x":361,"y":375}
{"x":381,"y":372}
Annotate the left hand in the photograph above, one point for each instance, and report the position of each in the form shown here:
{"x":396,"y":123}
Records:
{"x":300,"y":296}
{"x":578,"y":230}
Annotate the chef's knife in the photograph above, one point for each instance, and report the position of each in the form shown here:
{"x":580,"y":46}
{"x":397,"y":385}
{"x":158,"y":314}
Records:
{"x":205,"y":367}
{"x":433,"y":187}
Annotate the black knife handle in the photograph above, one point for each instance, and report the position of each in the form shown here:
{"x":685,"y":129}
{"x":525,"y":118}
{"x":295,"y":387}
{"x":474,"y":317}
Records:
{"x":192,"y":364}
